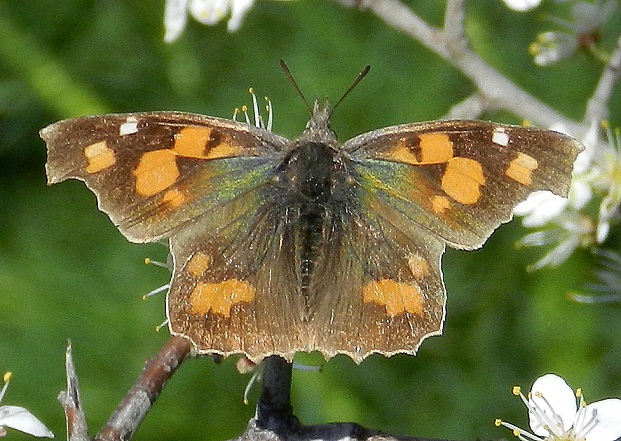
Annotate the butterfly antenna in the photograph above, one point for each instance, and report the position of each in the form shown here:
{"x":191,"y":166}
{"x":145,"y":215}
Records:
{"x":287,"y":72}
{"x":358,"y":79}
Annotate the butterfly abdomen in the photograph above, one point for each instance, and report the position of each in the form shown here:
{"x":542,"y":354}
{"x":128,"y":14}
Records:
{"x":311,"y":177}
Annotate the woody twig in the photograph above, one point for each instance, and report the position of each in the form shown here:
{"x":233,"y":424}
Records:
{"x":494,"y":90}
{"x":134,"y":407}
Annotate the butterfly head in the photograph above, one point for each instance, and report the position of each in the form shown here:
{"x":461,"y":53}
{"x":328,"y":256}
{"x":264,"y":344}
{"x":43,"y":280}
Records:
{"x":318,"y":129}
{"x":320,"y":118}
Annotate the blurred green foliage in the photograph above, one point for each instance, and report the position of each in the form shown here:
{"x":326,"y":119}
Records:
{"x":66,"y":272}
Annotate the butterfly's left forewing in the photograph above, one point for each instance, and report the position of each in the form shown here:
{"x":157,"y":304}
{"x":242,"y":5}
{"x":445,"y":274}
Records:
{"x":460,"y":180}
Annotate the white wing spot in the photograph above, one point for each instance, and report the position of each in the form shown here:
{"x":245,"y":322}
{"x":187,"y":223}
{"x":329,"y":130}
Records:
{"x":500,"y":137}
{"x":129,"y":127}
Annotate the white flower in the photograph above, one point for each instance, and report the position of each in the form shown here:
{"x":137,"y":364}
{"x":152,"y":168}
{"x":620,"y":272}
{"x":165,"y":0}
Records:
{"x":570,"y":231}
{"x":571,"y":223}
{"x":555,"y":414}
{"x":581,"y":32}
{"x":522,"y":5}
{"x":208,"y":12}
{"x":607,"y":289}
{"x":19,"y":418}
{"x":540,"y":208}
{"x":552,"y":47}
{"x":605,"y":178}
{"x":259,"y":121}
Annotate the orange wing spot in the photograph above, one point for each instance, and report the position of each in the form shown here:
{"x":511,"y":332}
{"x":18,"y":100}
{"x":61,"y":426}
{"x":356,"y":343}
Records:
{"x":156,"y":171}
{"x":402,"y":153}
{"x":219,"y":298}
{"x":198,"y":264}
{"x":99,"y":157}
{"x":397,"y":297}
{"x":439,"y":204}
{"x":435,"y":148}
{"x":191,"y":142}
{"x":418,"y":265}
{"x":521,"y":168}
{"x":432,"y":148}
{"x":224,"y":150}
{"x":202,"y":143}
{"x":462,"y":180}
{"x":173,"y":199}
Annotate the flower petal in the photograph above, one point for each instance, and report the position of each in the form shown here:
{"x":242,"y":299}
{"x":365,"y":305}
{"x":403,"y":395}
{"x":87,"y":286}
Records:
{"x":175,"y":17}
{"x":580,"y":194}
{"x":209,"y":12}
{"x":589,"y":17}
{"x":540,"y":208}
{"x":555,"y":403}
{"x":21,"y":419}
{"x":239,"y":8}
{"x":606,"y":415}
{"x":522,"y":5}
{"x":552,"y":47}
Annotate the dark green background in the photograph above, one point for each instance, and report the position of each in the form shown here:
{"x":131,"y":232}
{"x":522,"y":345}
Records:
{"x":66,"y":272}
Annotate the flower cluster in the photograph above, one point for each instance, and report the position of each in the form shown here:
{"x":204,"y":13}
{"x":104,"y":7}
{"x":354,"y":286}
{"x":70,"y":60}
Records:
{"x":555,"y":415}
{"x":19,"y":418}
{"x":208,"y":12}
{"x":585,"y":218}
{"x":581,"y":31}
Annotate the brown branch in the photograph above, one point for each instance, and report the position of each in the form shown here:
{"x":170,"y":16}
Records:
{"x":454,"y":23}
{"x":274,"y":409}
{"x":134,"y":407}
{"x":274,"y":419}
{"x":470,"y":108}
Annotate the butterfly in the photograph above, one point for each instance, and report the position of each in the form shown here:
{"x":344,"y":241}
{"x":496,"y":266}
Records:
{"x":281,"y":246}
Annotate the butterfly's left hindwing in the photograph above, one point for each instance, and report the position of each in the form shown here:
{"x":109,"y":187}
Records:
{"x":388,"y":295}
{"x":235,"y":287}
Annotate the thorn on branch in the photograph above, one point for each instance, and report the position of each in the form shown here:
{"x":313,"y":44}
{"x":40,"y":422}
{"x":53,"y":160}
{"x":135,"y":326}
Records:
{"x":77,"y":429}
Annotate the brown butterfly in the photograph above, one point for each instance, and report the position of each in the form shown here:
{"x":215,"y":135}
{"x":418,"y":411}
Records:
{"x":282,"y":246}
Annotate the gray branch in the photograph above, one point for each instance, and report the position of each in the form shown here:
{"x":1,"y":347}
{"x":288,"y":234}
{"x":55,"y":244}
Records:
{"x":597,"y":107}
{"x":494,"y":90}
